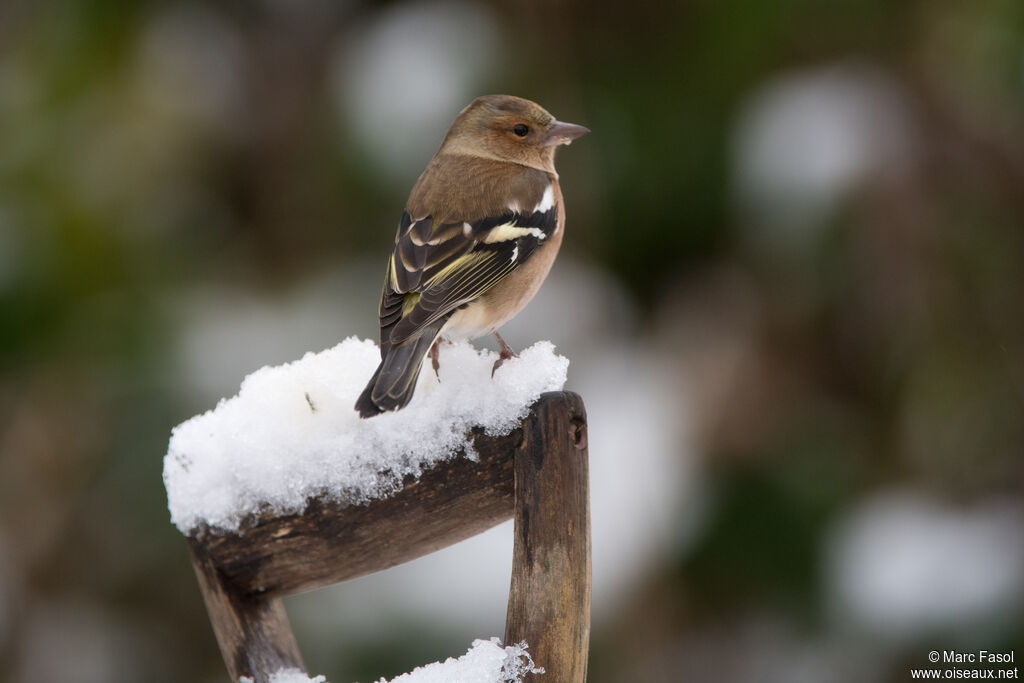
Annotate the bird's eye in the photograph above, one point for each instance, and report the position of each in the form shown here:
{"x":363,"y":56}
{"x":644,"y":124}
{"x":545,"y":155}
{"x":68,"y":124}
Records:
{"x":520,"y":130}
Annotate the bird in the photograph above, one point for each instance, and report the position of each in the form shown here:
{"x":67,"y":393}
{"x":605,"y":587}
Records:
{"x":479,"y":233}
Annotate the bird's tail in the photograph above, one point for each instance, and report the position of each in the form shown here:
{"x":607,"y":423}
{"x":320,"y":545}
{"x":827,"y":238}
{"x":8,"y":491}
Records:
{"x":394,"y":382}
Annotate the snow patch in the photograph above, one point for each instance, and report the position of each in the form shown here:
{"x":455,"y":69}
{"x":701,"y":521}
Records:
{"x":291,"y":433}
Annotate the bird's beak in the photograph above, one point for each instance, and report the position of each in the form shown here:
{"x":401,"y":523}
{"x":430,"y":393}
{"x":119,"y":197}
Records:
{"x":561,"y":133}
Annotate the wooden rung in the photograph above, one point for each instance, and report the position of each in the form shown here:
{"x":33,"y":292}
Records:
{"x":331,"y":542}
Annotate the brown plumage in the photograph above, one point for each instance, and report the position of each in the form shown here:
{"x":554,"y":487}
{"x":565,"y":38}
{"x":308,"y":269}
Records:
{"x":480,"y":231}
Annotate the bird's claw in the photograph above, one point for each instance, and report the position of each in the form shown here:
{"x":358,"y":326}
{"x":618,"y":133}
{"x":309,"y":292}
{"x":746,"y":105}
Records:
{"x":506,"y":353}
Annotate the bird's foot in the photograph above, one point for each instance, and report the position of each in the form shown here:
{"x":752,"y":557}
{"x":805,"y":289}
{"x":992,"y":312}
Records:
{"x":506,"y":353}
{"x":435,"y":359}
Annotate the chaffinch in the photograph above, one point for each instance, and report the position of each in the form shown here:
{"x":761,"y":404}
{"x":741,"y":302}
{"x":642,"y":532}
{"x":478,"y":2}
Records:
{"x":480,"y":231}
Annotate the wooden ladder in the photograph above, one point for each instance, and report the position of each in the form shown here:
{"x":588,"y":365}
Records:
{"x":537,"y":474}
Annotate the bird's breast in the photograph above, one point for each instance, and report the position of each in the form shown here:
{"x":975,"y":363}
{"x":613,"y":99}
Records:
{"x":501,"y":303}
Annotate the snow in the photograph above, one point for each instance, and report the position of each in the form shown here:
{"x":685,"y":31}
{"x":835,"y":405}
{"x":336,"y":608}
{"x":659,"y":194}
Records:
{"x":292,"y":433}
{"x":288,"y":676}
{"x":486,"y":661}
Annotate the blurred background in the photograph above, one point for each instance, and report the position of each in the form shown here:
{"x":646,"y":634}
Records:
{"x":792,"y":292}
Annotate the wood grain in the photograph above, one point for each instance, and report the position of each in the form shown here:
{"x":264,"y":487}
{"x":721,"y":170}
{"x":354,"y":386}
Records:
{"x":549,"y":598}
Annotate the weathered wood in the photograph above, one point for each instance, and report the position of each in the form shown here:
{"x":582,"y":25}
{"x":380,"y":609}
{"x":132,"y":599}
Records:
{"x":253,"y":632}
{"x":330,"y":542}
{"x":549,"y":598}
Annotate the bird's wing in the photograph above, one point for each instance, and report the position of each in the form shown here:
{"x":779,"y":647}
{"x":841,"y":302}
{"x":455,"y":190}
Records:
{"x":438,"y":266}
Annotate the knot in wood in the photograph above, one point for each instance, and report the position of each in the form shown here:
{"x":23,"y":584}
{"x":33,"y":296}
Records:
{"x":578,"y":432}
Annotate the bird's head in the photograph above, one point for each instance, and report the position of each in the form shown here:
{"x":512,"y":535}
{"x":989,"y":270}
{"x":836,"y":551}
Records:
{"x":510,"y":128}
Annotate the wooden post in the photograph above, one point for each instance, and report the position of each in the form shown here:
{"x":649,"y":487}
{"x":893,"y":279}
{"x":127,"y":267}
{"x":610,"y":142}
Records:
{"x":549,"y":599}
{"x":539,"y":472}
{"x":253,"y":632}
